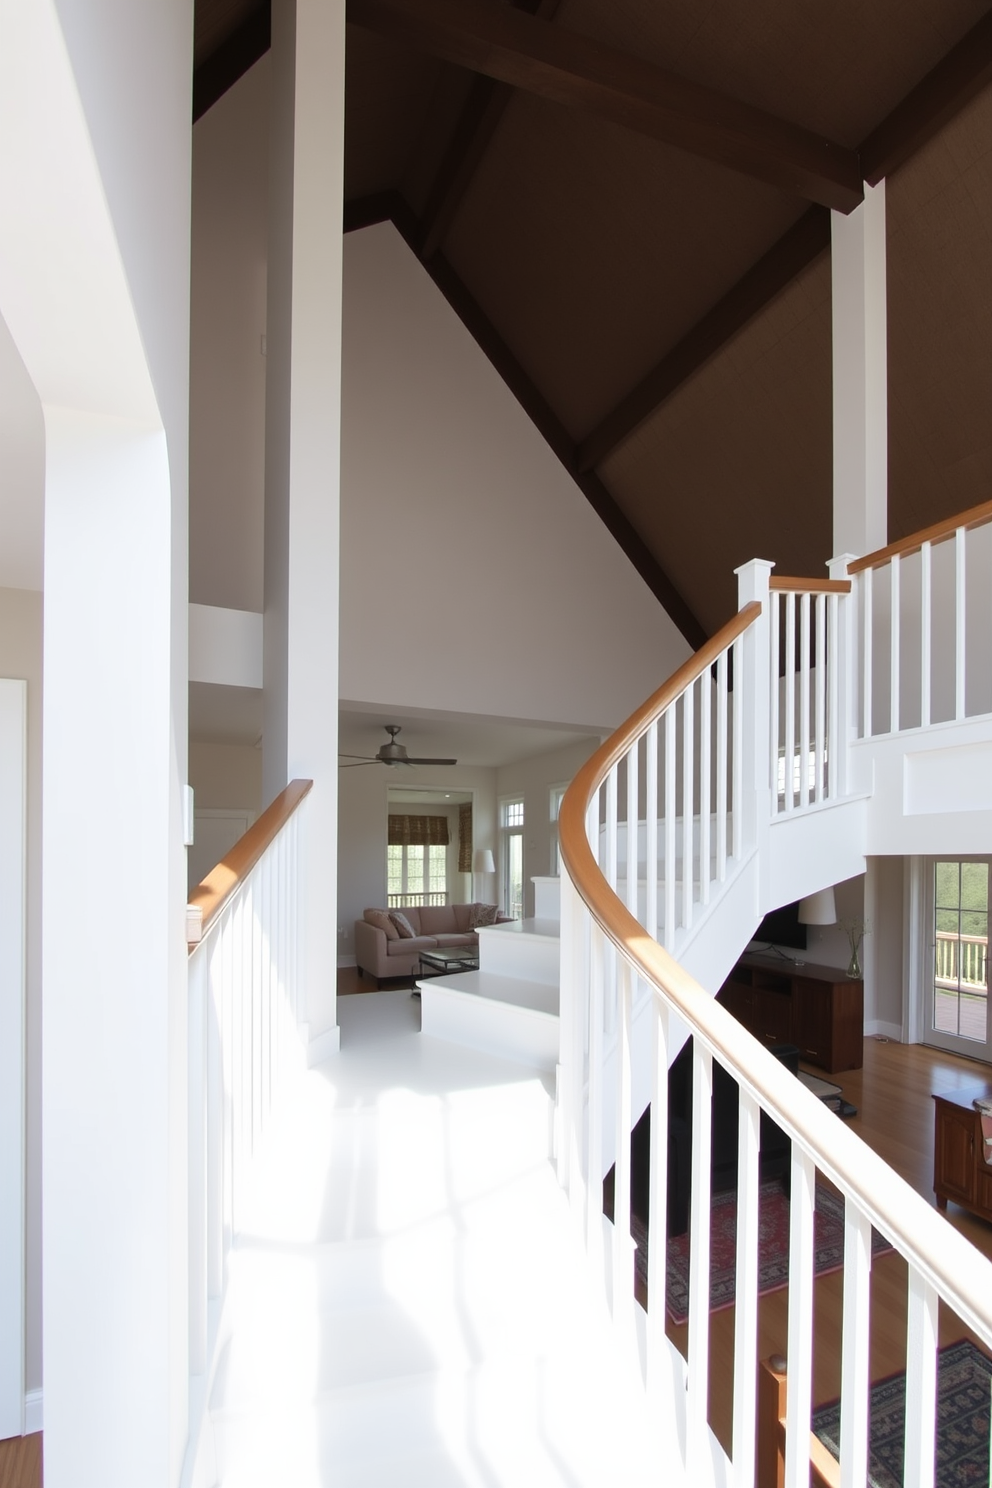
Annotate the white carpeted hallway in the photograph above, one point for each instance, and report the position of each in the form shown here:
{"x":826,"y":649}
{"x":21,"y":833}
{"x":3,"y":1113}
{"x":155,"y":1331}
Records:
{"x":408,"y":1302}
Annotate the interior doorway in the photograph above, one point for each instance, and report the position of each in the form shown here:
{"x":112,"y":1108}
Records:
{"x":956,"y":1005}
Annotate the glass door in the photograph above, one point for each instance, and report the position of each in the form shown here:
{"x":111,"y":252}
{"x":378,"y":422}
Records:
{"x":957,"y":983}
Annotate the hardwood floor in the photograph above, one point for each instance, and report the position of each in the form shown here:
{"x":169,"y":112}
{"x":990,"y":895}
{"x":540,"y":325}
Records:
{"x":20,"y":1462}
{"x":895,"y":1117}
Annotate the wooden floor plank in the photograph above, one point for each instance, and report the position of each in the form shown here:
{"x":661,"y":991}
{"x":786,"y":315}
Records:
{"x":20,"y":1462}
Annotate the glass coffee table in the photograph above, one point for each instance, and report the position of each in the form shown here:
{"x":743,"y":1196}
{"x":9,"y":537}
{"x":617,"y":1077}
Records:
{"x":447,"y":959}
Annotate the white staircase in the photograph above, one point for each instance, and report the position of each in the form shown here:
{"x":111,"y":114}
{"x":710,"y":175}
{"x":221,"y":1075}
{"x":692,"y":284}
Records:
{"x":510,"y":1005}
{"x":408,"y":1301}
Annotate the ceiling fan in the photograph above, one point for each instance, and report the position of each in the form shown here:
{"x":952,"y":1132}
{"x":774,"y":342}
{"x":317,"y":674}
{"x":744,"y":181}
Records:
{"x":391,"y":754}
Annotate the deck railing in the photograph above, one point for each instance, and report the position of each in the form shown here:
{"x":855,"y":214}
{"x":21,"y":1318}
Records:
{"x":652,"y":829}
{"x":245,"y":1007}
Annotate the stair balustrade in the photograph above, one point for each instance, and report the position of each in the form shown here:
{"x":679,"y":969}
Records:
{"x":657,"y":832}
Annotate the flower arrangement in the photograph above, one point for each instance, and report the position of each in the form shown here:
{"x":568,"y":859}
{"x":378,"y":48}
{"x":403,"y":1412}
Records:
{"x":855,"y":930}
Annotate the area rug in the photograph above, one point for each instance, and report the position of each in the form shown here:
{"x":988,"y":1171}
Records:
{"x":964,"y":1379}
{"x":773,"y":1247}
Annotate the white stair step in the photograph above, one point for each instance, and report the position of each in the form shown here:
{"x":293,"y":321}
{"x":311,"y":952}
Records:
{"x":506,"y":1015}
{"x":530,"y":949}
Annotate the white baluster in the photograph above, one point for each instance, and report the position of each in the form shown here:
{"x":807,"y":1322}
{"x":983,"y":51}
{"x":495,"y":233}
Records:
{"x":705,"y":770}
{"x":632,"y":829}
{"x":819,"y":712}
{"x":835,"y":663}
{"x":926,"y":632}
{"x":738,"y":761}
{"x":196,"y":1149}
{"x":774,"y":648}
{"x":215,"y":1115}
{"x":895,"y":628}
{"x":959,"y":622}
{"x":721,"y":767}
{"x":746,"y":1312}
{"x":688,"y":720}
{"x":921,"y":1382}
{"x":594,"y":1178}
{"x":790,"y":702}
{"x":670,"y":827}
{"x":623,"y":1249}
{"x":867,"y":641}
{"x":804,"y":642}
{"x":854,"y":1375}
{"x":657,"y":1346}
{"x":699,"y":1254}
{"x":800,"y":1328}
{"x":608,"y":953}
{"x":651,"y":830}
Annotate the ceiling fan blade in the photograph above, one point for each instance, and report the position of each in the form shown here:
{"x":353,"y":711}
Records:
{"x":370,"y":757}
{"x":431,"y":762}
{"x":359,"y":763}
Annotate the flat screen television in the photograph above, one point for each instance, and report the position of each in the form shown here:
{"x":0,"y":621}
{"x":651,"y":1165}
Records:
{"x":782,"y":927}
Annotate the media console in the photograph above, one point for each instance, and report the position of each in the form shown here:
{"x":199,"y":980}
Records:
{"x":817,"y":1008}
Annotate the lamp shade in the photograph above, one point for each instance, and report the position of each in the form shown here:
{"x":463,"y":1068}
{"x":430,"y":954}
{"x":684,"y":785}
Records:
{"x":818,"y":909}
{"x":483,"y":861}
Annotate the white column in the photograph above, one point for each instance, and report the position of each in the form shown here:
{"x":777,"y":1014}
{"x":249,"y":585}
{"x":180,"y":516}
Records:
{"x":752,"y":691}
{"x":857,"y":266}
{"x":303,"y":456}
{"x":94,"y":178}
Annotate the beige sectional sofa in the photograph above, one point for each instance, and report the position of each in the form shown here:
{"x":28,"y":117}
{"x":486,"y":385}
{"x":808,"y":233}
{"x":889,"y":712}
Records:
{"x":435,"y":925}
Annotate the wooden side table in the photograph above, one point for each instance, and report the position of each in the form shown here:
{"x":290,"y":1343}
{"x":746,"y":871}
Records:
{"x":960,"y":1172}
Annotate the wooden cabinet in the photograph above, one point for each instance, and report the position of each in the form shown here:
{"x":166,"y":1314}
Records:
{"x":816,"y":1008}
{"x":959,"y":1170}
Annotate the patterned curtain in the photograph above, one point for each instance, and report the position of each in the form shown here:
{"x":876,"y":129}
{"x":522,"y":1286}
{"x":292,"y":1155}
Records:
{"x":418,"y":831}
{"x":465,"y":837}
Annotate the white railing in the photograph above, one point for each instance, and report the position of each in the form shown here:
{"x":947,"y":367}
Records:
{"x":807,"y":624}
{"x":961,"y":960}
{"x":245,"y":1007}
{"x":923,"y":615}
{"x":611,"y":924}
{"x":416,"y":901}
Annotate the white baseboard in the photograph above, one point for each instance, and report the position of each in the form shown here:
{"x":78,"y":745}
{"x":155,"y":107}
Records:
{"x":33,"y":1413}
{"x":346,"y":961}
{"x":876,"y":1028}
{"x":322,"y":1045}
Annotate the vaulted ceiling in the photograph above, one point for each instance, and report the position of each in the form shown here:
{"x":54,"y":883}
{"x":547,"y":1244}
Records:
{"x":628,"y":205}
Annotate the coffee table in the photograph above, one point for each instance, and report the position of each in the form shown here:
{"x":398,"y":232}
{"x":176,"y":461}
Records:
{"x":449,"y":958}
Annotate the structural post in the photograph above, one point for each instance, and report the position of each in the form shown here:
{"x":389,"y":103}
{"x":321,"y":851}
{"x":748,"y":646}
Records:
{"x":303,"y":458}
{"x":752,"y":691}
{"x":860,"y":397}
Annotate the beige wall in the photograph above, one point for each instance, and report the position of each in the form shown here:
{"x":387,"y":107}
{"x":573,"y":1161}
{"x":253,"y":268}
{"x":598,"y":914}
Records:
{"x":533,"y":779}
{"x":20,"y":656}
{"x":226,"y":776}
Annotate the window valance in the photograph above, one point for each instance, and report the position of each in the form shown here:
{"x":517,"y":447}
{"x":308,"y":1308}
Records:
{"x":418,"y":831}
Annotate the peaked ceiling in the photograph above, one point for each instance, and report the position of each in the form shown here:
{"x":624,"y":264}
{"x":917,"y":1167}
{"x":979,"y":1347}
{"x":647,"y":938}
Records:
{"x":628,"y":205}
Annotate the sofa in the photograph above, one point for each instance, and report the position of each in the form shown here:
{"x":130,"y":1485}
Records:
{"x":435,"y":925}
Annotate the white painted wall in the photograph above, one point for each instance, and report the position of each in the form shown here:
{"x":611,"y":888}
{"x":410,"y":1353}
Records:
{"x":227,"y":368}
{"x":363,"y":808}
{"x":228,"y":776}
{"x":20,"y":656}
{"x":13,"y":967}
{"x":22,"y":463}
{"x":460,"y":530}
{"x":225,"y":646}
{"x":533,"y":779}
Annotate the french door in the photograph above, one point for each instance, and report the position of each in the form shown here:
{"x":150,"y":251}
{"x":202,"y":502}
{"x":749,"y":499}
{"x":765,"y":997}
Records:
{"x":956,"y":1005}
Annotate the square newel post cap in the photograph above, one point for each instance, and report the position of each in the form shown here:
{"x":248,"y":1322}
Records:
{"x":752,"y":581}
{"x":837,"y":567}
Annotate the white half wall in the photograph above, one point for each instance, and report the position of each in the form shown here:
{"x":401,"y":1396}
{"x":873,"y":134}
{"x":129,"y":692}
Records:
{"x":13,"y":966}
{"x":475,"y":575}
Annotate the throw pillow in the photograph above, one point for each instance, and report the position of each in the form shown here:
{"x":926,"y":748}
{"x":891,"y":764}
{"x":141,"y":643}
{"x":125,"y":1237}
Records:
{"x":482,"y":914}
{"x":380,"y":919}
{"x":403,"y":925}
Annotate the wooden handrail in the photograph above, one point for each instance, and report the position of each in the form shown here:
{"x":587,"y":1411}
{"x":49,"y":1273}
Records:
{"x":220,"y":883}
{"x":809,"y":586}
{"x":942,"y":1255}
{"x":975,"y":516}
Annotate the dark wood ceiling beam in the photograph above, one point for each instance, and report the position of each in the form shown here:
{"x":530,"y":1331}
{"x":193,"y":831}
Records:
{"x":565,"y":67}
{"x":249,"y":41}
{"x":366,"y":211}
{"x":945,"y":90}
{"x":804,"y":242}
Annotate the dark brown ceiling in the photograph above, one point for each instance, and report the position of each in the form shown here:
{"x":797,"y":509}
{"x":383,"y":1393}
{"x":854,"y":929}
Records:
{"x":627,"y":209}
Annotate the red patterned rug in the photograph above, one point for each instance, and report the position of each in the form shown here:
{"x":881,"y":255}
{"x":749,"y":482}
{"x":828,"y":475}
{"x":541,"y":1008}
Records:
{"x":773,"y":1247}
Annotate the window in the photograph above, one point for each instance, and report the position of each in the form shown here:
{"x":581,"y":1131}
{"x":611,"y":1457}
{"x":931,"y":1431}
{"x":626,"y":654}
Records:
{"x":557,"y":796}
{"x":511,"y":857}
{"x":416,"y":874}
{"x":960,"y":950}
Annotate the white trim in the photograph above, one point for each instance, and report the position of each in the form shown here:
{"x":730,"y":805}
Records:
{"x":878,"y":1028}
{"x":345,"y":961}
{"x":34,"y":1412}
{"x":13,"y":967}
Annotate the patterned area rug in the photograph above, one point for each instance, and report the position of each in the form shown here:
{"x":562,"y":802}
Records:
{"x":773,"y":1247}
{"x":964,"y":1378}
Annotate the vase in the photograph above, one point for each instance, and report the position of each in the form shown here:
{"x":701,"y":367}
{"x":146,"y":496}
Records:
{"x":854,"y":966}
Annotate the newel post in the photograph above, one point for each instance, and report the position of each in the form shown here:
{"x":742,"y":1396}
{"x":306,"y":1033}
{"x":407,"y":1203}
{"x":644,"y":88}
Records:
{"x":752,"y":694}
{"x":846,"y":661}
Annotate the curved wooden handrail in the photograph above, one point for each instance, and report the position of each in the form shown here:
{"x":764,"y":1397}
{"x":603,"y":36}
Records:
{"x":221,"y":882}
{"x":782,"y":582}
{"x":975,"y":516}
{"x":942,"y":1255}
